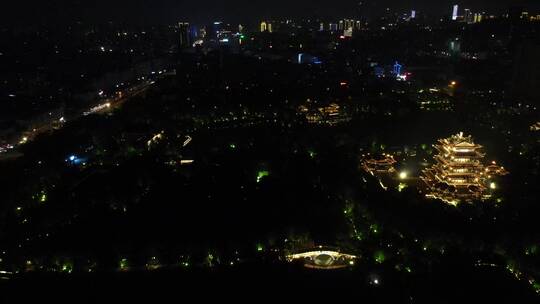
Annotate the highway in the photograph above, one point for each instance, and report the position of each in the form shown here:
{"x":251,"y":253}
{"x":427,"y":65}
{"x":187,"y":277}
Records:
{"x":9,"y":151}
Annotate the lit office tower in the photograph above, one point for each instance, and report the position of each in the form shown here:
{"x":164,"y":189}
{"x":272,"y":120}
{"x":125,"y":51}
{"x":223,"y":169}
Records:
{"x":459,"y":174}
{"x":397,"y":68}
{"x":455,"y":12}
{"x":266,"y":27}
{"x":185,"y":37}
{"x":348,"y":28}
{"x":469,"y":17}
{"x":348,"y":32}
{"x":321,"y":27}
{"x":477,"y":18}
{"x":413,"y":14}
{"x":349,"y":24}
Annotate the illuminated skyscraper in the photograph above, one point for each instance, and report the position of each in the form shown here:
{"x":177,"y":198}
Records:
{"x":397,"y":68}
{"x":413,"y":14}
{"x":455,"y":47}
{"x":266,"y":27}
{"x":455,"y":12}
{"x":349,"y":24}
{"x":477,"y":18}
{"x":469,"y":17}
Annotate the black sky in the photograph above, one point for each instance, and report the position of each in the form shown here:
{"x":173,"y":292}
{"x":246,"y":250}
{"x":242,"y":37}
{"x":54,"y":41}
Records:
{"x":168,"y":11}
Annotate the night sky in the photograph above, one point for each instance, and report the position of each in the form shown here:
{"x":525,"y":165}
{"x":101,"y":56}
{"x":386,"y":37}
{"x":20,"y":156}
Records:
{"x":168,"y":11}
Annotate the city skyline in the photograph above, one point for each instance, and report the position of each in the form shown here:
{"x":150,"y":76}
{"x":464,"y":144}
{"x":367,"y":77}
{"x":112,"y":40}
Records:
{"x":170,"y":11}
{"x":385,"y":149}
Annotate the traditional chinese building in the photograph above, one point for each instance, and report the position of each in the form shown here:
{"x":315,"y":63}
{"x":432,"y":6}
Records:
{"x":459,"y":174}
{"x":381,"y":164}
{"x":332,"y":114}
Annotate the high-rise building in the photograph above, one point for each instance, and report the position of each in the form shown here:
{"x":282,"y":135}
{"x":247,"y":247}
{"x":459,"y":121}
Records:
{"x":185,"y":35}
{"x":348,"y":32}
{"x":478,"y":18}
{"x":397,"y":68}
{"x":469,"y":17}
{"x":413,"y":14}
{"x":266,"y":27}
{"x":454,"y":47}
{"x":202,"y":33}
{"x":455,"y":12}
{"x":459,"y":174}
{"x":349,"y":24}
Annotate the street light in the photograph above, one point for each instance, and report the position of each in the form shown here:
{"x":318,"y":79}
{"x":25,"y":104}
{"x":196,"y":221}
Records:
{"x":403,"y":175}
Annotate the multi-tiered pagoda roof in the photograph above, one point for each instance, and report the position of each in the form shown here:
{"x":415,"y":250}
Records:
{"x":458,"y":174}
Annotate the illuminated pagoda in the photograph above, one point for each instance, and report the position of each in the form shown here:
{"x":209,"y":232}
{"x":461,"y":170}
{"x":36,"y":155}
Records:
{"x":459,"y":174}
